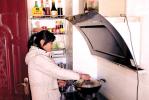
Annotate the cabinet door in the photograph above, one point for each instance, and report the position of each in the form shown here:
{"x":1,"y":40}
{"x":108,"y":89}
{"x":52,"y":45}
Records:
{"x":13,"y":47}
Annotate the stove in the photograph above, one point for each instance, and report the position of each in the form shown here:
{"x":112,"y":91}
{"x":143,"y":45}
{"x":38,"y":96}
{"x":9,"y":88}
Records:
{"x":69,"y":92}
{"x":79,"y":96}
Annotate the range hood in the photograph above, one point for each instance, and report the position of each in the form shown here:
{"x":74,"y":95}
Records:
{"x":102,"y":38}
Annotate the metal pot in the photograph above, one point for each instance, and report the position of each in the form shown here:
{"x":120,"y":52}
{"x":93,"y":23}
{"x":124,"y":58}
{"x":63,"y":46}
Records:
{"x":89,"y":86}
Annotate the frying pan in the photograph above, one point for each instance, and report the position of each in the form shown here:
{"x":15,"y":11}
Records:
{"x":89,"y":86}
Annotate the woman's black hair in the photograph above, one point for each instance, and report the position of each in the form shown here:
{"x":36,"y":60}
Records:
{"x":42,"y":35}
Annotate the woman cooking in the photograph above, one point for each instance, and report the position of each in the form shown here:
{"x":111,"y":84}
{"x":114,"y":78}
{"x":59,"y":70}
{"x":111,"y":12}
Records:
{"x":43,"y":72}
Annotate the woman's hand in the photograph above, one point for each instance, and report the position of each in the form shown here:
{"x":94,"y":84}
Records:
{"x":85,"y":76}
{"x":61,"y":83}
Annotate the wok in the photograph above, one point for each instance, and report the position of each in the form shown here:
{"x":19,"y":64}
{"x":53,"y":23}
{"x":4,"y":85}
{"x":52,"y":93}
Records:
{"x":88,"y":86}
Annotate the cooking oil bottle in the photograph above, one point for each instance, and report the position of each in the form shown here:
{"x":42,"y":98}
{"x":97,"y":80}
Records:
{"x":37,"y":11}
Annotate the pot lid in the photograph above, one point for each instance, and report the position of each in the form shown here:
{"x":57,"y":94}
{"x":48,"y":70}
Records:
{"x":102,"y":38}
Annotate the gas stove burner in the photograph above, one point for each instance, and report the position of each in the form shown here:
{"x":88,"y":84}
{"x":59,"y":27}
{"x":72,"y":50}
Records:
{"x":92,"y":96}
{"x":79,"y":96}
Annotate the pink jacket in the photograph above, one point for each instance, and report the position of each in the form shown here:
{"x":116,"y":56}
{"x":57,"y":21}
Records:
{"x":43,"y":74}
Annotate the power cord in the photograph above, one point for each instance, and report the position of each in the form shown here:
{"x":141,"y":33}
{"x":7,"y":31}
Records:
{"x":135,"y":62}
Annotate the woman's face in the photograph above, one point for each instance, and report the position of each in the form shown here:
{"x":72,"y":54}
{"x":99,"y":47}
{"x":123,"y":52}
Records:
{"x":47,"y":47}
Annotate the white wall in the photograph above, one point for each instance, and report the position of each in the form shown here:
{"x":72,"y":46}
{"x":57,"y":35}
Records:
{"x":83,"y":61}
{"x":112,"y":7}
{"x":122,"y":82}
{"x":144,"y":84}
{"x":77,"y":7}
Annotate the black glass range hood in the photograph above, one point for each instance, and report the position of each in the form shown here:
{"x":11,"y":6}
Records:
{"x":102,"y":38}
